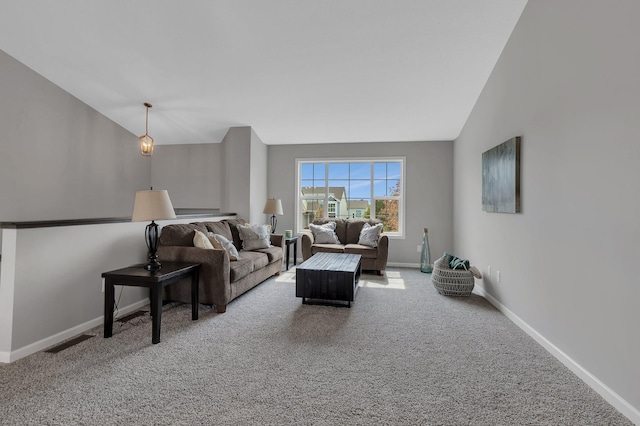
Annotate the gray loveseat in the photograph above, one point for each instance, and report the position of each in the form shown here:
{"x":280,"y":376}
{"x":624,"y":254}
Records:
{"x":221,"y":280}
{"x":348,"y":232}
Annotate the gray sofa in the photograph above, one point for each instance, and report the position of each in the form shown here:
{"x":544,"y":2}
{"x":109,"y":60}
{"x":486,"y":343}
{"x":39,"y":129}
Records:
{"x":221,"y":280}
{"x":348,"y":232}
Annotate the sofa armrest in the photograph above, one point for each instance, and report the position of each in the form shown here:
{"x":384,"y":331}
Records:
{"x":277,"y":240}
{"x":383,"y":251}
{"x":383,"y":243}
{"x":307,"y":242}
{"x":214,"y":269}
{"x":193,"y":254}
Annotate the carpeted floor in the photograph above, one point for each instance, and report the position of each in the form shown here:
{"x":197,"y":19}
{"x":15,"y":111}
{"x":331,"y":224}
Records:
{"x":402,"y":354}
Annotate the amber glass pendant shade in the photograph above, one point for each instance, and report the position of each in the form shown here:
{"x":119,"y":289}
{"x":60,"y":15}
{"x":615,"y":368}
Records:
{"x":146,"y":141}
{"x":146,"y":145}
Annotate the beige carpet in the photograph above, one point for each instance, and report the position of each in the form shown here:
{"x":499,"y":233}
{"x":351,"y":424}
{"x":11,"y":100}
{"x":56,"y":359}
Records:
{"x":402,"y":354}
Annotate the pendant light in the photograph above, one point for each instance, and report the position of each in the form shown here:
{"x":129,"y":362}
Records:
{"x":146,"y":141}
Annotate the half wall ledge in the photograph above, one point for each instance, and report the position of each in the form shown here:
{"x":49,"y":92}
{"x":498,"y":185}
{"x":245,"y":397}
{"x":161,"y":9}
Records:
{"x":180,"y":214}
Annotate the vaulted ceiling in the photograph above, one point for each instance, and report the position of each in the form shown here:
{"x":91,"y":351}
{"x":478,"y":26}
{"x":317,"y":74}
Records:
{"x":297,"y":71}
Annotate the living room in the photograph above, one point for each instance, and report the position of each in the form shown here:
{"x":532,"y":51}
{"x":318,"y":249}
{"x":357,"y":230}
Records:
{"x":566,"y":82}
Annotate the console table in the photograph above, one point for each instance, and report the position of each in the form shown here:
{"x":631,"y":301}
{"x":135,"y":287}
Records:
{"x":137,"y":276}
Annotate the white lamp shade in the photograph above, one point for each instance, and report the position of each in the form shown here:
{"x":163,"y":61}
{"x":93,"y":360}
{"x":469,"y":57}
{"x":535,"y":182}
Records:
{"x":273,"y":206}
{"x":152,"y":204}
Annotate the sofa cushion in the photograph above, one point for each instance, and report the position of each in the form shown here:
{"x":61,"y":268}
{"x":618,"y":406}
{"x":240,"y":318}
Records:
{"x":180,"y":234}
{"x":220,"y":228}
{"x":325,"y":233}
{"x":235,"y":235}
{"x":240,"y":269}
{"x":273,"y":253}
{"x":254,"y":236}
{"x":327,"y":248}
{"x":364,"y":251}
{"x":260,"y":260}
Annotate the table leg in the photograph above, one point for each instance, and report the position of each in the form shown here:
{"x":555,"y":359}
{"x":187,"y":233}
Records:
{"x":195,"y":281}
{"x":156,"y":307}
{"x":295,"y":253}
{"x":288,"y":245}
{"x":109,"y":294}
{"x":151,"y":302}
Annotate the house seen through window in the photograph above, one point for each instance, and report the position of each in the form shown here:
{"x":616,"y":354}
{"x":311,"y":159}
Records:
{"x":351,"y":189}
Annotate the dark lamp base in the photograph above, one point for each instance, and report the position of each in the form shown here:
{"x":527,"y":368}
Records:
{"x":151,"y":236}
{"x":153,"y":266}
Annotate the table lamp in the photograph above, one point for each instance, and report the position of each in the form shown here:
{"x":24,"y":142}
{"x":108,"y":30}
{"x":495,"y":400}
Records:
{"x":273,"y":207}
{"x":152,"y":205}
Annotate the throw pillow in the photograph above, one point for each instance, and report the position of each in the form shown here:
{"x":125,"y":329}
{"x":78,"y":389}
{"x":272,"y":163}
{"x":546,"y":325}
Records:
{"x":221,"y":242}
{"x":369,"y":235}
{"x":324,"y":234}
{"x":200,"y":240}
{"x":254,"y":236}
{"x":253,"y":224}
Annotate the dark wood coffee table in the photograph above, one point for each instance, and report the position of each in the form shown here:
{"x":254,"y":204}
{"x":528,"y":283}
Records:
{"x":137,"y":276}
{"x":329,"y":276}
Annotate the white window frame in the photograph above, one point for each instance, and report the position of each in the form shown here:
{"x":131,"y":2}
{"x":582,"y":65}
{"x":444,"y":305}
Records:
{"x":331,"y":204}
{"x":401,"y":198}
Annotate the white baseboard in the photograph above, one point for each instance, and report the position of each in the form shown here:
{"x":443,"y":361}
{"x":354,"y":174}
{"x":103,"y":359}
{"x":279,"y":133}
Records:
{"x":8,"y":357}
{"x":403,"y":265}
{"x":603,"y":390}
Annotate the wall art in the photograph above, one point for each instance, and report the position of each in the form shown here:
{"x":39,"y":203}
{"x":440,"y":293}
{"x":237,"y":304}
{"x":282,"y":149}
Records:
{"x":501,"y":177}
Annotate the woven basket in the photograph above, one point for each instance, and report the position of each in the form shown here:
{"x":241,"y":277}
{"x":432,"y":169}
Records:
{"x":451,"y":282}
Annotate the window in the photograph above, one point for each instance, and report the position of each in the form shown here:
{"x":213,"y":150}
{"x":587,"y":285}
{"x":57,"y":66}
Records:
{"x":351,"y":189}
{"x":331,"y":208}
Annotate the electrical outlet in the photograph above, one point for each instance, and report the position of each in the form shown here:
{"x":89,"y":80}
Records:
{"x":489,"y":269}
{"x":419,"y":249}
{"x":103,"y":285}
{"x":498,"y":275}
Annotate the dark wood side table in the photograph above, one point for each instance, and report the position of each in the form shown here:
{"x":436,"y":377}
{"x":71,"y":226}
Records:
{"x":289,"y":242}
{"x":137,"y":276}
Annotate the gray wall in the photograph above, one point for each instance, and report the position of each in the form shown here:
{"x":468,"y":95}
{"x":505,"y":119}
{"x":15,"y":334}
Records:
{"x":231,"y":175}
{"x":63,"y":296}
{"x":258,"y":179}
{"x":59,"y":158}
{"x":244,"y":174}
{"x":236,"y":154}
{"x":192,"y":174}
{"x":71,"y":266}
{"x":429,"y":188}
{"x":568,"y":82}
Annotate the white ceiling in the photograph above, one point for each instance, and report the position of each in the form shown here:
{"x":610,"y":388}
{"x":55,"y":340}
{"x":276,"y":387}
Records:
{"x":297,"y":71}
